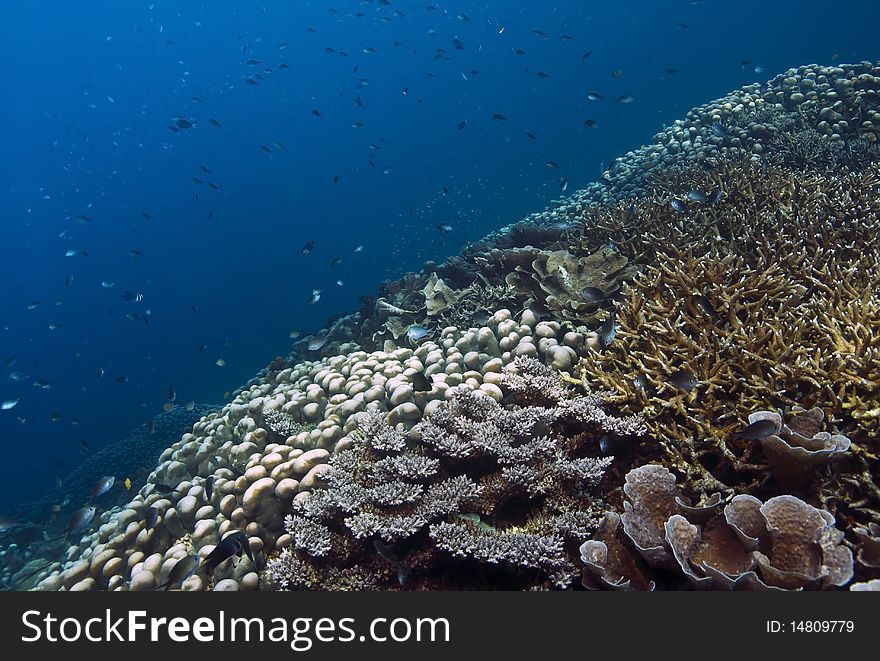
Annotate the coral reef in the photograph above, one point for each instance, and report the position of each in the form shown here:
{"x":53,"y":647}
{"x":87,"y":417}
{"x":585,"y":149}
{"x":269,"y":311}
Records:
{"x":474,"y":484}
{"x":473,"y":425}
{"x":783,"y":543}
{"x":257,"y":474}
{"x":758,"y":325}
{"x":25,"y":548}
{"x":555,"y":281}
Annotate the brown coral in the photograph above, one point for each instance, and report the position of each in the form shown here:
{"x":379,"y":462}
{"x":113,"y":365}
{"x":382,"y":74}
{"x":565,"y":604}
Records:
{"x":783,"y":543}
{"x":555,"y":280}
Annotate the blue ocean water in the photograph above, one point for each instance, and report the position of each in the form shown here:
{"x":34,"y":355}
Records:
{"x":336,"y":123}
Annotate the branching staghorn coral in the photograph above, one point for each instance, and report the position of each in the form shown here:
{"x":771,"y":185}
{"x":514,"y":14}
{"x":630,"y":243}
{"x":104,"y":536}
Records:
{"x":480,"y":491}
{"x":781,"y":313}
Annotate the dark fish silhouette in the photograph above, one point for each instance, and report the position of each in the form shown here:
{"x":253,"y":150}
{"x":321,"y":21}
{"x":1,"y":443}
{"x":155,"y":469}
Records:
{"x":234,"y":544}
{"x":151,"y":516}
{"x":758,"y":430}
{"x":608,"y":330}
{"x":678,"y":205}
{"x":182,"y":570}
{"x":683,"y":380}
{"x":421,"y":383}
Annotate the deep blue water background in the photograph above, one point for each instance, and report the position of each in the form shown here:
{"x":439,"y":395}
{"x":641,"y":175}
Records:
{"x":90,"y":87}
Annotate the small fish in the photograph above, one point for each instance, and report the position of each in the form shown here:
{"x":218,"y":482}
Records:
{"x":606,"y":445}
{"x":190,"y":405}
{"x":209,"y":488}
{"x":563,"y":184}
{"x":697,"y":196}
{"x":335,"y":262}
{"x":102,"y":486}
{"x":591,"y":123}
{"x":444,"y":229}
{"x":358,"y":249}
{"x":594,"y":96}
{"x":80,"y":519}
{"x":719,"y":131}
{"x":642,"y":383}
{"x":608,"y":330}
{"x":127,"y":484}
{"x":107,"y":285}
{"x":164,"y":489}
{"x":182,"y":570}
{"x":8,"y":523}
{"x":172,"y":395}
{"x":415,"y":333}
{"x":18,"y":376}
{"x":53,"y":325}
{"x":683,"y":380}
{"x":183,"y":122}
{"x":151,"y":517}
{"x":594,"y":296}
{"x":234,"y":544}
{"x":151,"y":426}
{"x":83,"y":445}
{"x":626,"y":98}
{"x":214,"y":123}
{"x":168,"y":406}
{"x":705,"y":304}
{"x":316,"y":296}
{"x":714,"y":196}
{"x":386,"y":552}
{"x":132,"y":297}
{"x":553,"y":165}
{"x":758,"y":430}
{"x":678,"y":205}
{"x":308,"y":247}
{"x":421,"y":383}
{"x":220,"y":362}
{"x":9,"y":404}
{"x":498,"y":117}
{"x":462,"y":124}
